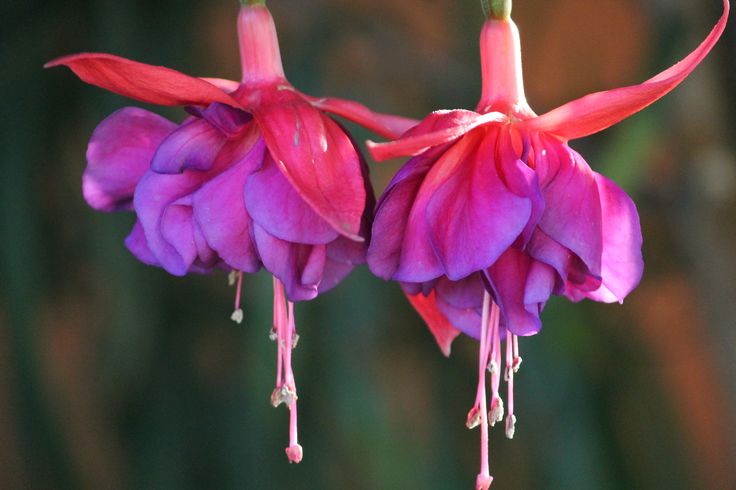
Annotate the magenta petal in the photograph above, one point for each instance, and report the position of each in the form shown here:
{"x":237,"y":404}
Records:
{"x":508,"y":277}
{"x":278,"y":208}
{"x":228,"y":120}
{"x":572,"y":215}
{"x":299,"y":267}
{"x":194,"y":145}
{"x":392,"y":222}
{"x":219,"y":209}
{"x":472,"y":215}
{"x":138,"y":246}
{"x":317,"y":157}
{"x":176,"y":229}
{"x":461,"y":302}
{"x":119,"y":153}
{"x":596,"y":112}
{"x":622,"y":263}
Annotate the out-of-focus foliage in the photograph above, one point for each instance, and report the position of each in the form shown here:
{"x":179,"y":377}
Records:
{"x":116,"y":375}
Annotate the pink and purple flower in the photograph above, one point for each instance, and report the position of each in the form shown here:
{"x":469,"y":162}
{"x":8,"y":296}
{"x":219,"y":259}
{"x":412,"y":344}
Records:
{"x":257,"y":176}
{"x":495,"y":212}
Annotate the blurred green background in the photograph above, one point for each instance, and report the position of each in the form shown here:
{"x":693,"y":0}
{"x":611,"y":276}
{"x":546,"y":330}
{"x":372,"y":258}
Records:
{"x":116,"y":375}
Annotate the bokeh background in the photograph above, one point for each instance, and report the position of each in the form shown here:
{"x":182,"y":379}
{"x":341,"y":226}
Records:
{"x":116,"y":375}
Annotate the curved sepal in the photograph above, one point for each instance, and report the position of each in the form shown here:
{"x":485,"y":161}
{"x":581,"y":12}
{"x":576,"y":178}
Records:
{"x":598,"y":111}
{"x":386,"y":125}
{"x":142,"y":82}
{"x":443,"y":331}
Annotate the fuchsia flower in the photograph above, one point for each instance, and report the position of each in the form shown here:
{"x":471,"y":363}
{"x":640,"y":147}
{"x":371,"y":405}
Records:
{"x":495,"y":212}
{"x":257,"y":176}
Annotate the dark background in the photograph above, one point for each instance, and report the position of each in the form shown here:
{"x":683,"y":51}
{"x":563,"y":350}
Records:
{"x":116,"y":375}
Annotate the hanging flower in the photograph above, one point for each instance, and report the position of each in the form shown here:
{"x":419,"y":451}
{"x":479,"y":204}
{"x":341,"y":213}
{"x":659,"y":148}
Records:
{"x":257,"y":176}
{"x":495,"y":212}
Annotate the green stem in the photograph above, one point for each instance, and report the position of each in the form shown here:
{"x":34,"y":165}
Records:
{"x":253,"y":2}
{"x":496,"y":9}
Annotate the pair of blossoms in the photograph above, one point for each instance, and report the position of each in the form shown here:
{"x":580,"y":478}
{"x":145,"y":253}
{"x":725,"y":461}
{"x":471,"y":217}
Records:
{"x":492,"y":215}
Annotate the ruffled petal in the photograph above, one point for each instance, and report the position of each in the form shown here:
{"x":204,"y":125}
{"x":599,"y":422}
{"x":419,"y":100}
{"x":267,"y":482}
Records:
{"x":472,"y":216}
{"x":392,"y":218}
{"x":142,"y":82}
{"x":598,"y":111}
{"x":229,"y":121}
{"x":299,"y":267}
{"x":278,"y":208}
{"x":317,"y":157}
{"x":462,"y":302}
{"x":386,"y":125}
{"x":219,"y":209}
{"x":572,"y":216}
{"x":194,"y":146}
{"x":622,"y":262}
{"x":521,"y":287}
{"x":438,"y":128}
{"x":443,"y":331}
{"x":119,"y":153}
{"x":138,"y":246}
{"x":156,"y":192}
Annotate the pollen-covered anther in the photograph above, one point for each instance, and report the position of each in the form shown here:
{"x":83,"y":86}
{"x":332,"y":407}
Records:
{"x":237,"y":316}
{"x":232,"y":278}
{"x":510,"y":425}
{"x":517,"y":363}
{"x":273,"y":335}
{"x":294,"y":340}
{"x":283,"y":394}
{"x":508,"y":372}
{"x":473,"y":420}
{"x":496,"y":413}
{"x":493,"y":367}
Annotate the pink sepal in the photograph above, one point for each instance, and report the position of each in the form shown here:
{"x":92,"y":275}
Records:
{"x":146,"y":83}
{"x":598,"y":111}
{"x":438,"y":128}
{"x":443,"y":331}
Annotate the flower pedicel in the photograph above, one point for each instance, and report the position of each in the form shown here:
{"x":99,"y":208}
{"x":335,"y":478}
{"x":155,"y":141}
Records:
{"x":257,"y":176}
{"x":495,"y":212}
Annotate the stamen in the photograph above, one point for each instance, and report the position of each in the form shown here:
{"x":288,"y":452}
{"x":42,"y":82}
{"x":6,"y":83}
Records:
{"x":237,"y":315}
{"x":512,"y":348}
{"x":483,"y":481}
{"x":232,"y":277}
{"x":284,"y":332}
{"x":496,"y":414}
{"x":517,"y":357}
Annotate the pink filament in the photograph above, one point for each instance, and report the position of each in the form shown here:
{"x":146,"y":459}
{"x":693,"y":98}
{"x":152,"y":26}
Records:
{"x":285,"y":331}
{"x":238,"y":290}
{"x":510,"y":341}
{"x":484,"y":477}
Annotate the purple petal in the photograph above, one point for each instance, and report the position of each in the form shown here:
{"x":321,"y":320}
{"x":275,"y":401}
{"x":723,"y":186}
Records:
{"x":472,"y":215}
{"x":220,"y":211}
{"x":299,"y":267}
{"x":520,"y":290}
{"x":622,"y":262}
{"x":228,"y":120}
{"x":138,"y":246}
{"x":119,"y":153}
{"x":392,"y":221}
{"x":461,"y":302}
{"x":572,"y":216}
{"x":194,"y":145}
{"x":278,"y":208}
